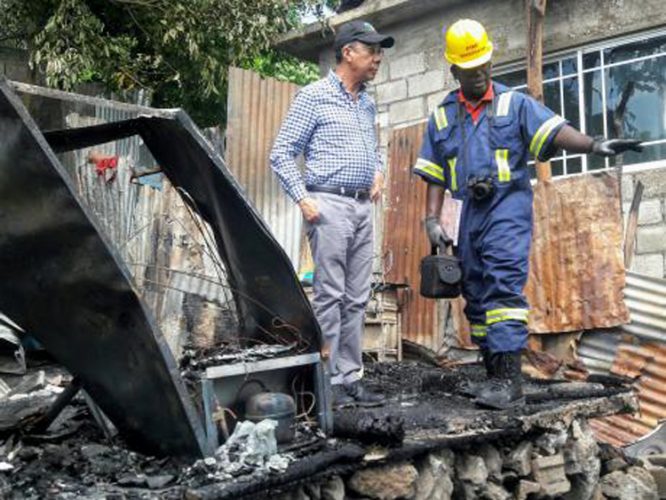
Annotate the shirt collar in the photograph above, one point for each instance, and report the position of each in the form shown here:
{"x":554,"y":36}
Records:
{"x":335,"y":80}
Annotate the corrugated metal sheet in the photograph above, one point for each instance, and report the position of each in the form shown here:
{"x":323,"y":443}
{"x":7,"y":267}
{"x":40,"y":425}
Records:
{"x":636,"y":350}
{"x":404,"y":240}
{"x":646,"y":299}
{"x":576,"y":266}
{"x":256,"y":108}
{"x":168,"y":249}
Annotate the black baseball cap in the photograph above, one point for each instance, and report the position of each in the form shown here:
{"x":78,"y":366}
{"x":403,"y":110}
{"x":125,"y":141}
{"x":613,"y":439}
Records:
{"x":363,"y":32}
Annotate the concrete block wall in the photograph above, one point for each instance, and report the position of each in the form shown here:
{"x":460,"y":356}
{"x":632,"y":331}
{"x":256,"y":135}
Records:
{"x":650,"y":249}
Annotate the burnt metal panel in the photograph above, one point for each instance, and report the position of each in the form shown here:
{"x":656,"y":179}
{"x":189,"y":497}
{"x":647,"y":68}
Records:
{"x":64,"y":283}
{"x":255,"y":111}
{"x":271,"y":303}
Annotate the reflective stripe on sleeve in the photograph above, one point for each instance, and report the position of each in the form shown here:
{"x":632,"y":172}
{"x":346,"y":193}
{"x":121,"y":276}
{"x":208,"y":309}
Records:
{"x":430,"y":168}
{"x":452,"y":170}
{"x":440,"y":118}
{"x":542,"y":134}
{"x":479,"y":331}
{"x":503,"y":104}
{"x":497,"y":315}
{"x":503,"y":167}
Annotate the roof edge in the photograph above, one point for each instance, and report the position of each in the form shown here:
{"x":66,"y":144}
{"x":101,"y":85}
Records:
{"x":307,"y":42}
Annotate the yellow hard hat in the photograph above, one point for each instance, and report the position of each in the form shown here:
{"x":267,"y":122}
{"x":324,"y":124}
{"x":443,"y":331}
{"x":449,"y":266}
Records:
{"x":467,"y":44}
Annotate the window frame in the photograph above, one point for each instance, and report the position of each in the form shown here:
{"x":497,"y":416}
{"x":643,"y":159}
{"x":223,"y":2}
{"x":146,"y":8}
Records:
{"x":578,"y":54}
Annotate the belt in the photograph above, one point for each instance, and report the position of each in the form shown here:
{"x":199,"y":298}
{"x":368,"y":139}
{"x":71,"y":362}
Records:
{"x":357,"y":194}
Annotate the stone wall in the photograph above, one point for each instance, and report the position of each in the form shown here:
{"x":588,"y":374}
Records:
{"x":414,"y":78}
{"x":564,"y":463}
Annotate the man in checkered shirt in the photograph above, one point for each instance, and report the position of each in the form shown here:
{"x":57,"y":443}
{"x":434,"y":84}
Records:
{"x":332,"y":123}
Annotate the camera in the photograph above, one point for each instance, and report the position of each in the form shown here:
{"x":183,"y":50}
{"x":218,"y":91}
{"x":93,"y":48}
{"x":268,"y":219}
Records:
{"x":481,"y":188}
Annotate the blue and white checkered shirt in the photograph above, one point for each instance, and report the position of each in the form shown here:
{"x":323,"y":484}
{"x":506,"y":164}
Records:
{"x":336,"y":134}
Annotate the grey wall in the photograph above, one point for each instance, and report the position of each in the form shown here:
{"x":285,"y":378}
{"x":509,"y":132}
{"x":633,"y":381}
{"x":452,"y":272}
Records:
{"x":414,"y":76}
{"x":14,"y":65}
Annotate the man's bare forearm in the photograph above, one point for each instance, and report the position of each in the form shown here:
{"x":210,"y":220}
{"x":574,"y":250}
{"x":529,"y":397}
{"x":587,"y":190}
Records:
{"x":573,"y":141}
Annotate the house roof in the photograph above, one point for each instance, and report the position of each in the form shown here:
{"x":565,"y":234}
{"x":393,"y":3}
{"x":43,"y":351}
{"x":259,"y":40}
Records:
{"x":308,"y":41}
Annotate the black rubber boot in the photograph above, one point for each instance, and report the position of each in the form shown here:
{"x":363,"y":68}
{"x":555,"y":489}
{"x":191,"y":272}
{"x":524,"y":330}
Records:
{"x":364,"y":397}
{"x":473,"y":389}
{"x":340,"y":397}
{"x":505,"y":389}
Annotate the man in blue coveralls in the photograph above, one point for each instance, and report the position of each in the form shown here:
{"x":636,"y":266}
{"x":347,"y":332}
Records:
{"x":477,"y":145}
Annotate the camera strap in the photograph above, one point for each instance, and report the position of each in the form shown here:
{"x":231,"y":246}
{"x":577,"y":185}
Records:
{"x":461,"y":115}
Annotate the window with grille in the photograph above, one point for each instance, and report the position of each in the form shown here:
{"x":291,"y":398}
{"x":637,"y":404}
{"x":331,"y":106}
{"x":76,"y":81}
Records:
{"x":586,"y":87}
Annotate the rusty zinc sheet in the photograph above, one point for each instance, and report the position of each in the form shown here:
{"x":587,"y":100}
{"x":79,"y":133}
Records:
{"x":645,"y":362}
{"x":636,"y":350}
{"x":404,"y":240}
{"x":166,"y":245}
{"x":256,"y":108}
{"x":576,"y":267}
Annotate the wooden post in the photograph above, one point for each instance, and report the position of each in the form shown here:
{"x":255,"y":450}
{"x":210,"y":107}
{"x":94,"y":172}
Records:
{"x":535,"y":13}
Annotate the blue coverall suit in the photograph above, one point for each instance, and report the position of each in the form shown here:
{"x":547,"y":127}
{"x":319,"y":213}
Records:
{"x":495,"y":233}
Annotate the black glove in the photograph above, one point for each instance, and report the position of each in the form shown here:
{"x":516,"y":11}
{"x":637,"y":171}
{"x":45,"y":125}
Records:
{"x":436,"y":233}
{"x":611,"y":147}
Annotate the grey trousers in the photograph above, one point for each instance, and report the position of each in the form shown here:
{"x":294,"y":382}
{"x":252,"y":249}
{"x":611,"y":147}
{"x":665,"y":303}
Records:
{"x":342,"y":250}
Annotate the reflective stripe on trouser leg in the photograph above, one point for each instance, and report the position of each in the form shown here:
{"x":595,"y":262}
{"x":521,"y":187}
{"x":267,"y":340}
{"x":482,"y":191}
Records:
{"x":505,"y":249}
{"x":479,"y":334}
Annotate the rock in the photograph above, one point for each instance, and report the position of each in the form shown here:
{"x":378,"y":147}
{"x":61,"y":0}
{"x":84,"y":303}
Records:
{"x":297,"y":494}
{"x":494,"y":491}
{"x":466,"y":491}
{"x":549,"y":473}
{"x":333,"y":489}
{"x":132,"y":480}
{"x":581,"y":451}
{"x":519,"y":459}
{"x":526,"y":488}
{"x":644,"y":477}
{"x":447,"y":456}
{"x":635,"y":484}
{"x":551,"y":442}
{"x":471,"y":469}
{"x":313,"y":491}
{"x":493,"y":460}
{"x":655,"y":465}
{"x":614,"y":464}
{"x":582,"y":464}
{"x":159,"y":482}
{"x":434,"y":481}
{"x":385,"y":483}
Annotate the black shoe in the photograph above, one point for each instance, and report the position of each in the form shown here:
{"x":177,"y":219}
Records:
{"x":364,"y":397}
{"x":472,"y":388}
{"x":340,"y":397}
{"x":505,"y":389}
